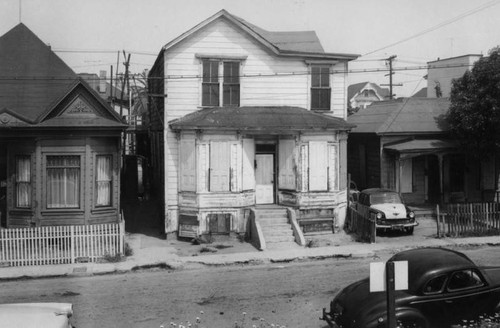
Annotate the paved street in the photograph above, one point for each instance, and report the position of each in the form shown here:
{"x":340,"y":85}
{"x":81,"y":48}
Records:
{"x":290,"y":294}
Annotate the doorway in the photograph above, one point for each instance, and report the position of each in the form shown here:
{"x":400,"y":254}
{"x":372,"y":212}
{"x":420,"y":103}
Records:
{"x":264,"y":174}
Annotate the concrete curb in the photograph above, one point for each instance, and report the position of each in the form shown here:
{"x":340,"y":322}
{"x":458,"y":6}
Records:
{"x":157,"y":257}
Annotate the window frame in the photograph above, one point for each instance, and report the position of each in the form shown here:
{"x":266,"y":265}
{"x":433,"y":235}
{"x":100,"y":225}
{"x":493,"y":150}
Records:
{"x":459,"y":289}
{"x":80,"y":182}
{"x":28,"y":182}
{"x":96,"y":181}
{"x":320,"y":86}
{"x":216,"y":77}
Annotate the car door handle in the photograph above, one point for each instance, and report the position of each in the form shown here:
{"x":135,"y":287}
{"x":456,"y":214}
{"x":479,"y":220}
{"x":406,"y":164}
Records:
{"x":448,"y":302}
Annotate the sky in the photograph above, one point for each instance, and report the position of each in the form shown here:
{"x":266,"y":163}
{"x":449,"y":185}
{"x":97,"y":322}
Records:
{"x":90,"y":35}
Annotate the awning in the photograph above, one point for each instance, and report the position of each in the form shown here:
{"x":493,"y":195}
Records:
{"x":418,"y":147}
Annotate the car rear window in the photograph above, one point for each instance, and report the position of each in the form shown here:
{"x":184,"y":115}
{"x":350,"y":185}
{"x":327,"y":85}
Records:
{"x":385,"y":197}
{"x":435,"y":285}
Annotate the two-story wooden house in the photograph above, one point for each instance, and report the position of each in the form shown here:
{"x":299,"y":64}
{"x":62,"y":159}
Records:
{"x":244,"y":118}
{"x":59,"y":141}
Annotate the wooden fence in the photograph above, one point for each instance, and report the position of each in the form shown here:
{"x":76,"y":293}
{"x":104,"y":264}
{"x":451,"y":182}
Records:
{"x":60,"y":244}
{"x":469,"y":219}
{"x":363,"y":227}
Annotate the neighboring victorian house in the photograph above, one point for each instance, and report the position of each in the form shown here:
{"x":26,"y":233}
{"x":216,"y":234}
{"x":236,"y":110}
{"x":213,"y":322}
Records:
{"x":362,"y":94}
{"x":404,"y":145}
{"x":250,"y":118}
{"x":59,"y":141}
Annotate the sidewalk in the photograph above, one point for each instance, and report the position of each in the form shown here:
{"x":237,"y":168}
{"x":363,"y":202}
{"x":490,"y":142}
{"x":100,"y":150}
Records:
{"x":173,"y":254}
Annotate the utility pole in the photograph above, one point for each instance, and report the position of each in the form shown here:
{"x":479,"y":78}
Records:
{"x":389,"y":60}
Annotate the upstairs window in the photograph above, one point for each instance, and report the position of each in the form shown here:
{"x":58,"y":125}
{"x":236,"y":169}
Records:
{"x":320,"y":88}
{"x":215,"y":83}
{"x":210,"y":84}
{"x":23,"y":181}
{"x":231,"y":84}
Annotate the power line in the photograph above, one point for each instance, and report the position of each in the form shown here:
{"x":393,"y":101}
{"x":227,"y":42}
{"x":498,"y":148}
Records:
{"x":255,"y":75}
{"x":452,"y":20}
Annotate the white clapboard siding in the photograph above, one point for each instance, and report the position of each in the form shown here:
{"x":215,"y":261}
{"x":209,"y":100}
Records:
{"x":61,"y":244}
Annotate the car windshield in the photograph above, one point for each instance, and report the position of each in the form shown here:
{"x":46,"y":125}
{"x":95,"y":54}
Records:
{"x":385,"y":197}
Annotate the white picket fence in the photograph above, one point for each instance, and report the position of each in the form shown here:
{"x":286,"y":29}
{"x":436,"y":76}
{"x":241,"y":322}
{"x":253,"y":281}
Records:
{"x":61,"y":244}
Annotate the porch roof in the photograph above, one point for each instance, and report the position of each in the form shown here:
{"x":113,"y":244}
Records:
{"x":419,"y":147}
{"x":260,"y":118}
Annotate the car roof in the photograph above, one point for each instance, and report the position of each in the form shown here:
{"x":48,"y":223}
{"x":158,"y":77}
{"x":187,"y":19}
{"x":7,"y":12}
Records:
{"x":376,"y":190}
{"x":424,"y":263}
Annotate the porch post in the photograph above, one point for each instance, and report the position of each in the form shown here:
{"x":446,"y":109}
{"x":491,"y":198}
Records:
{"x":441,"y":178}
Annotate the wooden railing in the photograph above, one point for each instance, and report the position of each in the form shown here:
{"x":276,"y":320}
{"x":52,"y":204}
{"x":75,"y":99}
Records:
{"x":468,"y":219}
{"x":363,"y":227}
{"x":61,"y":244}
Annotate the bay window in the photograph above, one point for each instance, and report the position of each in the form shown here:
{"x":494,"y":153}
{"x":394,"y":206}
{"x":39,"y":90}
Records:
{"x":103,"y":180}
{"x":63,"y":181}
{"x":23,"y":181}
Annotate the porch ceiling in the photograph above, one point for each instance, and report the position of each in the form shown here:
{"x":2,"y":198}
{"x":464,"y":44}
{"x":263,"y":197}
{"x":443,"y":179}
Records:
{"x":259,"y":118}
{"x":421,"y":147}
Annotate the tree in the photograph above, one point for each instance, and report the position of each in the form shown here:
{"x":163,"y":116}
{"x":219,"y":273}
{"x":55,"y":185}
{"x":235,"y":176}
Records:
{"x":474,"y":115}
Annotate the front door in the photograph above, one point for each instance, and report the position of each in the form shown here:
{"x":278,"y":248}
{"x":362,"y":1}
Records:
{"x":264,"y":179}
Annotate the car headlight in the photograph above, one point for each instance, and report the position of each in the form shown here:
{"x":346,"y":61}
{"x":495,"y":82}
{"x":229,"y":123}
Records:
{"x":411,"y":215}
{"x":379,"y":216}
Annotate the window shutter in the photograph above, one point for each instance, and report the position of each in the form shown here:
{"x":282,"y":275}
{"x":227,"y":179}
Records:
{"x":248,"y":164}
{"x":318,"y":172}
{"x":406,"y":175}
{"x":188,"y":165}
{"x":219,"y":166}
{"x":286,"y":164}
{"x":332,"y":168}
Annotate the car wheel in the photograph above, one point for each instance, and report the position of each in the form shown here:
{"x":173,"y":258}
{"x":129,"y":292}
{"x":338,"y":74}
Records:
{"x":409,"y":231}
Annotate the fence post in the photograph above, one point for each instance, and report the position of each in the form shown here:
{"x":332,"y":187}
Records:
{"x":72,"y":242}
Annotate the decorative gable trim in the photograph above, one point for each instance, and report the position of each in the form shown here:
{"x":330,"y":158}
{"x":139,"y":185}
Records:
{"x":10,"y":118}
{"x":78,"y":107}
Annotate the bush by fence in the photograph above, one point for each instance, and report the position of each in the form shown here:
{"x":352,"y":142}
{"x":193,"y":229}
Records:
{"x":60,"y":244}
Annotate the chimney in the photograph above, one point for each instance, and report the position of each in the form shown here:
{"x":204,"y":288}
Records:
{"x":102,"y":81}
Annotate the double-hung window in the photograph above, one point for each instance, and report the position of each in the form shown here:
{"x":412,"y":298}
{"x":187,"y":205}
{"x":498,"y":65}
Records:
{"x":23,"y":181}
{"x":216,"y":83}
{"x":63,"y":181}
{"x":320,"y":87}
{"x":104,"y":180}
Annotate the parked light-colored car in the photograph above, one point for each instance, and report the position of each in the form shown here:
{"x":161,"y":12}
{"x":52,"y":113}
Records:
{"x":386,"y":208}
{"x":39,"y":315}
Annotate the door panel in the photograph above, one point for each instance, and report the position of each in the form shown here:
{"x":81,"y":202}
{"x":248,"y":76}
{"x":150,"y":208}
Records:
{"x":264,"y":179}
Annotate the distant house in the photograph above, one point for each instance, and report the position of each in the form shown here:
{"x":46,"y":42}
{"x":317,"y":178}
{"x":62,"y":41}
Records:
{"x":59,"y":140}
{"x":243,"y":117}
{"x":404,"y":145}
{"x":362,"y":94}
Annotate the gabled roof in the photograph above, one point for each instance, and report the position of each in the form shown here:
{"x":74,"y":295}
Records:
{"x":304,"y":43}
{"x":36,"y":80}
{"x":402,"y":116}
{"x":269,"y":118}
{"x":356,"y":88}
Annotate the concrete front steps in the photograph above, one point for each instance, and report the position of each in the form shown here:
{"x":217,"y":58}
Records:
{"x":275,"y":227}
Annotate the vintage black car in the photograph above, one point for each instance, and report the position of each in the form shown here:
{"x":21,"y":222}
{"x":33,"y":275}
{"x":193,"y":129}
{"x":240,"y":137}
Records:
{"x":386,"y":208}
{"x":444,"y":288}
